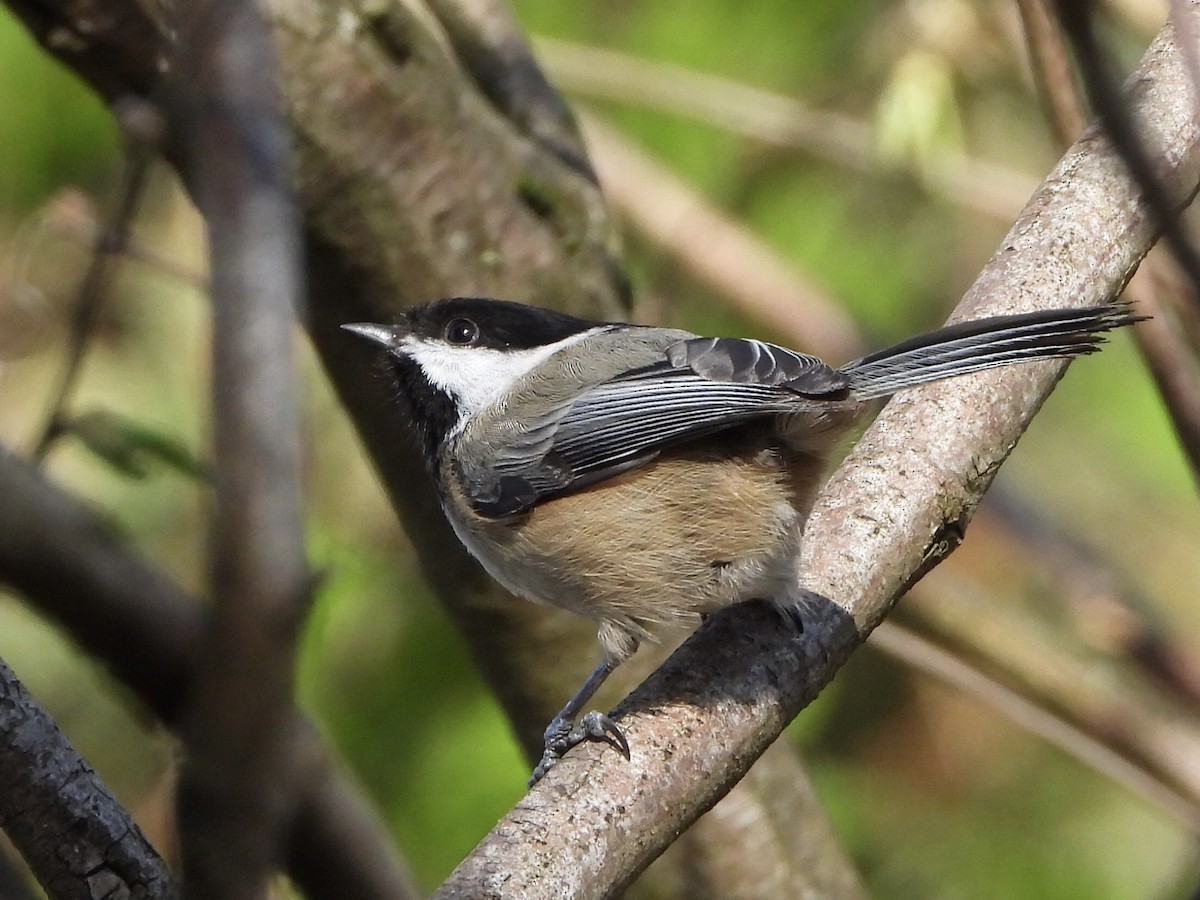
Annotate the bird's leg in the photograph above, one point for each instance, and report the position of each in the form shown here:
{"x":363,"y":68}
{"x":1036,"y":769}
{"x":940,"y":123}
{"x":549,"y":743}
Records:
{"x":564,"y":732}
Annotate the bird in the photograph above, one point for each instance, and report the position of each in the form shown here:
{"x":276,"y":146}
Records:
{"x":643,"y":476}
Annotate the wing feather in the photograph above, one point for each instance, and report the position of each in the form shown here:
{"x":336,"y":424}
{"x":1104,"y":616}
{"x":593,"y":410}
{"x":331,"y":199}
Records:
{"x":698,"y":387}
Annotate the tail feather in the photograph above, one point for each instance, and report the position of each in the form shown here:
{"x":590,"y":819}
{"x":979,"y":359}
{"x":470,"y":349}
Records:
{"x":985,"y":344}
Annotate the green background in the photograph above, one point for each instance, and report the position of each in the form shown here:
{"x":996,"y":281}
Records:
{"x":934,"y":794}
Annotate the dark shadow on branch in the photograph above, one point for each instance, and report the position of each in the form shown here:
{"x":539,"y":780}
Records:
{"x":916,"y":475}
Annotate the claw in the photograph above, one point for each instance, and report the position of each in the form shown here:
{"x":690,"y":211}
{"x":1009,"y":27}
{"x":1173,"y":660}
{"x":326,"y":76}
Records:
{"x":596,"y":726}
{"x":565,"y":732}
{"x":561,"y":735}
{"x":793,"y":617}
{"x":804,"y":603}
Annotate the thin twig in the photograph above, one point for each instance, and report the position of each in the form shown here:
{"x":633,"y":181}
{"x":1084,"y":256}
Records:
{"x":926,"y":656}
{"x":1052,"y":73}
{"x":69,"y":214}
{"x":716,"y":249}
{"x":110,"y":243}
{"x":1170,"y":359}
{"x":985,"y":188}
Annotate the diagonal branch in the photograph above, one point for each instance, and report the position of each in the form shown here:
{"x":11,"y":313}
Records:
{"x":48,"y":791}
{"x":891,"y":512}
{"x":1171,"y":359}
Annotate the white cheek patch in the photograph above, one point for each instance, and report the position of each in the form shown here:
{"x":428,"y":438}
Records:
{"x":476,"y":376}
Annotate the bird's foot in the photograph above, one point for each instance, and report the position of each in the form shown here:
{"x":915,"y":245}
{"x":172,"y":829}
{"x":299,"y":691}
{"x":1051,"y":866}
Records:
{"x":804,"y":604}
{"x":562,"y":734}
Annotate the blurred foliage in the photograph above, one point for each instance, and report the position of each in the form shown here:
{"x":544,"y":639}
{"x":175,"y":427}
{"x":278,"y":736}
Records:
{"x":52,"y":131}
{"x":933,"y":793}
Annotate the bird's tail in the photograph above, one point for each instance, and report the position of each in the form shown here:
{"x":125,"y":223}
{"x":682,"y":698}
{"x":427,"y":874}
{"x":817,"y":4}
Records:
{"x":984,"y":344}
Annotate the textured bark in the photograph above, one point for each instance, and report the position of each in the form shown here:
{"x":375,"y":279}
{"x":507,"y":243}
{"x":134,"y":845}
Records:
{"x":414,"y":184}
{"x":897,"y":506}
{"x":75,"y":836}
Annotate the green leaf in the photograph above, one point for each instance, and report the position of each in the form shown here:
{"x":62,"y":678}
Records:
{"x":131,"y":447}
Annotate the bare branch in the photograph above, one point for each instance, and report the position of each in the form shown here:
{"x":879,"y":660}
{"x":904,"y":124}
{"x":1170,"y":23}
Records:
{"x":236,"y":787}
{"x":1053,"y":76}
{"x":719,"y":251}
{"x":779,"y":120}
{"x":1073,"y":738}
{"x":889,"y":514}
{"x":110,"y":243}
{"x":694,"y":727}
{"x":127,"y":613}
{"x":78,"y":840}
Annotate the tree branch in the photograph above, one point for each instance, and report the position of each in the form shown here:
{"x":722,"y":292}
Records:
{"x":773,"y":119}
{"x":717,"y":250}
{"x":1172,"y":361}
{"x":110,"y":242}
{"x":413,"y":186}
{"x":128,"y":614}
{"x":236,"y":786}
{"x":890,"y":513}
{"x":76,"y":837}
{"x":1118,"y":737}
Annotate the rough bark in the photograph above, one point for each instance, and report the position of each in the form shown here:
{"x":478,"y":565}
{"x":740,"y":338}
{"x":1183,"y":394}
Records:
{"x":75,"y":836}
{"x":898,"y":505}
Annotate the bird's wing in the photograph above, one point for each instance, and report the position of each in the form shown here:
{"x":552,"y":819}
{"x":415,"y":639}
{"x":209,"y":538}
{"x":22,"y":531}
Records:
{"x":698,"y":387}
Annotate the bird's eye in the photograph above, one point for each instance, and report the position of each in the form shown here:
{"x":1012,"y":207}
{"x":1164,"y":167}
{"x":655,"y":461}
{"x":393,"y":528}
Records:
{"x":462,"y":331}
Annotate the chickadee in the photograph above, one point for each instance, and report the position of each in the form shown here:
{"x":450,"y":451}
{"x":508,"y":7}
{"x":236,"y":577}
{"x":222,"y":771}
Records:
{"x":637,"y":475}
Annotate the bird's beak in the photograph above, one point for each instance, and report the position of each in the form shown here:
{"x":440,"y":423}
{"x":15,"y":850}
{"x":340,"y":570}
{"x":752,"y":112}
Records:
{"x":378,"y":334}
